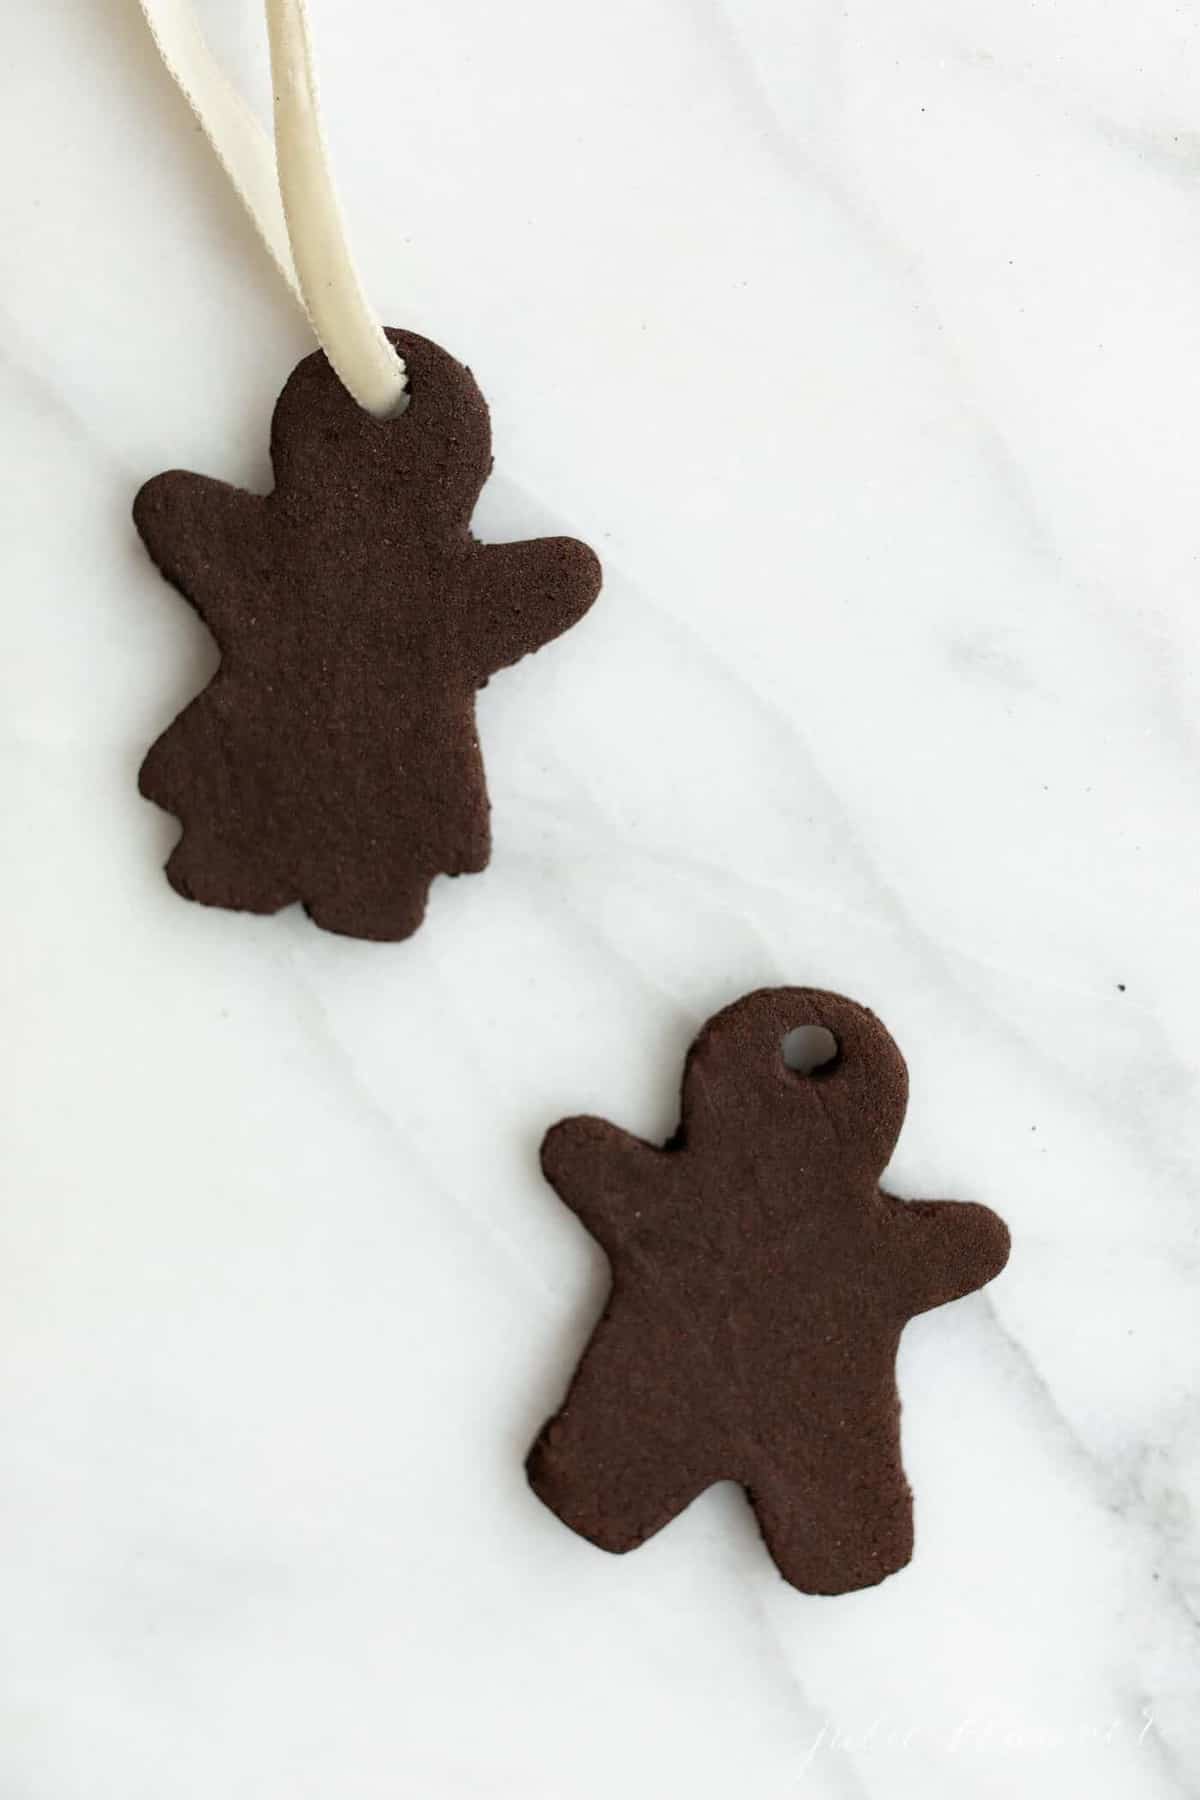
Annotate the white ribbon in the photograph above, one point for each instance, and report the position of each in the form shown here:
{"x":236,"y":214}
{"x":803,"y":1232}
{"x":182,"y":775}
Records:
{"x":287,"y":188}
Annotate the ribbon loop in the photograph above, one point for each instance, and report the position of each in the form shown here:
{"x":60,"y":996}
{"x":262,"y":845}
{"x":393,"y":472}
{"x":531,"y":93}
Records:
{"x":287,"y":188}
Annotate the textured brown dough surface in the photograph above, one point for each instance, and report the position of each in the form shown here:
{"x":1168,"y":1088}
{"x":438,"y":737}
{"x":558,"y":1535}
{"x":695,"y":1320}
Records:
{"x":334,"y":759}
{"x":760,"y":1283}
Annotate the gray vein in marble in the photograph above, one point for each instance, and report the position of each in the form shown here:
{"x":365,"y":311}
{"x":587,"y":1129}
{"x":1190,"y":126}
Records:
{"x":325,"y":1035}
{"x":903,"y":263}
{"x":1113,"y":1492}
{"x":26,"y":368}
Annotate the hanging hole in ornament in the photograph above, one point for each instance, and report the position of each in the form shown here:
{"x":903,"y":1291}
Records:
{"x":809,"y":1050}
{"x":399,"y":405}
{"x":394,"y":409}
{"x":389,"y":394}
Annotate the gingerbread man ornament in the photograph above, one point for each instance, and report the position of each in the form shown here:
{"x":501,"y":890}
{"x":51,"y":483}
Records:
{"x":334,"y":759}
{"x":760,"y":1283}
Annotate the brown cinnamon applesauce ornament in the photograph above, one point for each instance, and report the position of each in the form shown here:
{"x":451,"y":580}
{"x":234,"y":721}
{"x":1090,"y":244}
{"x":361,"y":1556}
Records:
{"x":761,"y":1278}
{"x":334,"y":758}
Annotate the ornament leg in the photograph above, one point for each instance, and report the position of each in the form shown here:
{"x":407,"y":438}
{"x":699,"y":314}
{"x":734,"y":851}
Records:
{"x":385,"y":910}
{"x":209,"y":868}
{"x":618,"y":1462}
{"x":839,"y":1521}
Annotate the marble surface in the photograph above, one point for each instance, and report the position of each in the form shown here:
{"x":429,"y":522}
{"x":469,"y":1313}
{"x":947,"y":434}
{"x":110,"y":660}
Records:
{"x":863,"y":341}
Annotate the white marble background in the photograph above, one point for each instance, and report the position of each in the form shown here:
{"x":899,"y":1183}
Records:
{"x":863,"y":341}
